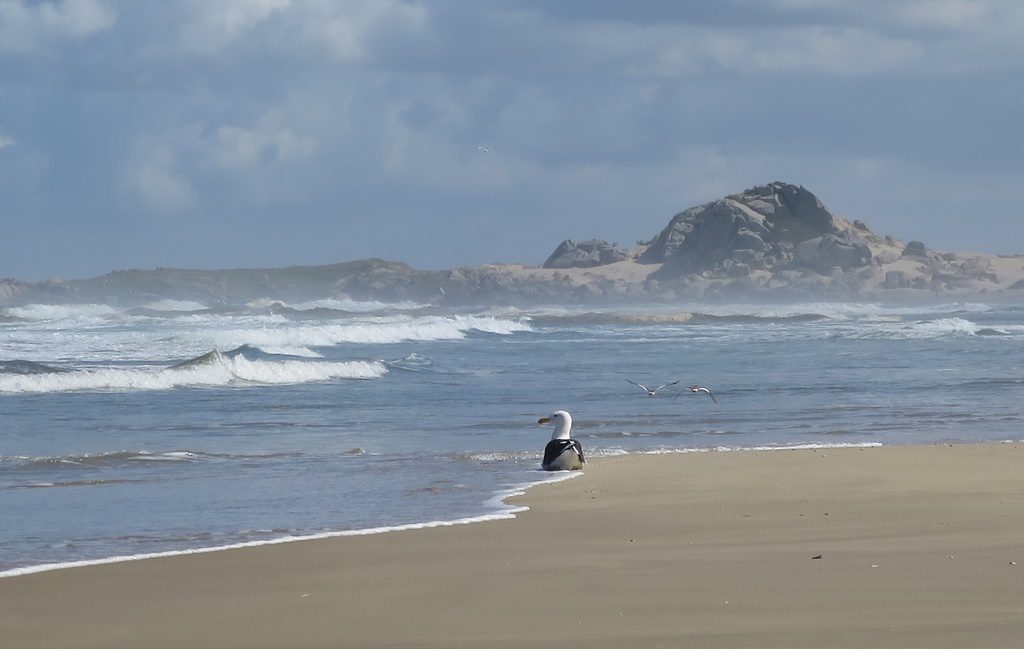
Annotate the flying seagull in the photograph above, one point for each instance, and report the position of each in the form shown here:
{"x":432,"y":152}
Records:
{"x":649,"y":391}
{"x":562,"y":453}
{"x":700,"y":389}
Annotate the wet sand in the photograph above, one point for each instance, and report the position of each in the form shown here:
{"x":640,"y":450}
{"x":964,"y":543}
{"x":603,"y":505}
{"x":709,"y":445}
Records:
{"x":877,"y":547}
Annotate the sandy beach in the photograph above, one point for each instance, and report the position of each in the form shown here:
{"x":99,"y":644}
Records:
{"x":882,"y":547}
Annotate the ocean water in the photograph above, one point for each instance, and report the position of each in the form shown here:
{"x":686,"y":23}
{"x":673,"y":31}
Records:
{"x":180,"y":426}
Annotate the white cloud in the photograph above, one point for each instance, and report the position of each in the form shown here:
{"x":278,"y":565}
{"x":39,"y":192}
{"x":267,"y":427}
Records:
{"x":28,"y":27}
{"x":347,"y":31}
{"x":216,"y":25}
{"x":269,"y":139}
{"x":681,"y":50}
{"x":829,"y":49}
{"x":813,"y":36}
{"x":954,"y":14}
{"x":5,"y":141}
{"x":157,"y":180}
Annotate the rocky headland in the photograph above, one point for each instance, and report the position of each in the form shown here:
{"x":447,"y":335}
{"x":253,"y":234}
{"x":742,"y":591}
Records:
{"x":774,"y":242}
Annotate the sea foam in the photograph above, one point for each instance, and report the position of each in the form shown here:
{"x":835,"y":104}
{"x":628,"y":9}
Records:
{"x":224,"y":371}
{"x":367,"y":331}
{"x":60,"y":311}
{"x":337,"y":304}
{"x":175,"y":305}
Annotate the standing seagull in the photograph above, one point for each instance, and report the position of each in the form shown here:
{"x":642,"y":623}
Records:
{"x":649,"y":391}
{"x":700,"y":389}
{"x":562,"y":453}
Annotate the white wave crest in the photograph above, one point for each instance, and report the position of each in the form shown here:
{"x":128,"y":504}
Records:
{"x":933,"y":329}
{"x":941,"y":327}
{"x":376,"y":331}
{"x":358,"y":306}
{"x":223,"y":371}
{"x":175,"y":305}
{"x":60,"y":311}
{"x":338,"y":304}
{"x":293,"y":351}
{"x":491,"y":325}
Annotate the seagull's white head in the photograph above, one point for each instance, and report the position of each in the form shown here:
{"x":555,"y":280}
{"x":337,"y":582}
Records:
{"x":563,"y":424}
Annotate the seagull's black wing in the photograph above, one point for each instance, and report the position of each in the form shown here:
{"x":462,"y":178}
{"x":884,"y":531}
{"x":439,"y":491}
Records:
{"x":557,"y":447}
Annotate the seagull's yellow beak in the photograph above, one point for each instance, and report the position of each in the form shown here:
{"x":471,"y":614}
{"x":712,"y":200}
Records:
{"x":544,"y":420}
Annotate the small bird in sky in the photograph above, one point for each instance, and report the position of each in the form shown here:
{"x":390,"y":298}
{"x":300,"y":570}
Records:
{"x":649,"y":391}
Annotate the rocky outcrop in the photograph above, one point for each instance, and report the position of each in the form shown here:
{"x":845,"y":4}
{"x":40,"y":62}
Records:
{"x":230,"y":286}
{"x":585,"y":254}
{"x":769,"y":226}
{"x":701,"y":238}
{"x":832,"y":251}
{"x":915,"y":249}
{"x":11,"y":289}
{"x":896,"y":279}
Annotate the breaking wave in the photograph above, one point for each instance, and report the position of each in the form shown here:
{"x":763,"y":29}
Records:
{"x":938,"y":328}
{"x":388,"y":331}
{"x":682,"y":317}
{"x":344,"y":305}
{"x":60,"y":311}
{"x":210,"y":370}
{"x":739,"y":313}
{"x":175,"y":305}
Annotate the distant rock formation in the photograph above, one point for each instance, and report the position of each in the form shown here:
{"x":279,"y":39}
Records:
{"x":770,"y":242}
{"x":915,"y":249}
{"x":11,"y":288}
{"x":585,"y":254}
{"x":765,"y":226}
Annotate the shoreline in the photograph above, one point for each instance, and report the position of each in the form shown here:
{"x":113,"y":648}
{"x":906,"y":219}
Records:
{"x":508,"y":512}
{"x":908,"y":546}
{"x":501,"y":498}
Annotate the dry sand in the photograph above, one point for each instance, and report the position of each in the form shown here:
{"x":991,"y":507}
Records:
{"x":917,"y":546}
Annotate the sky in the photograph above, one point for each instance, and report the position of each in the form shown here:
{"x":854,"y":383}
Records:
{"x":265,"y":133}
